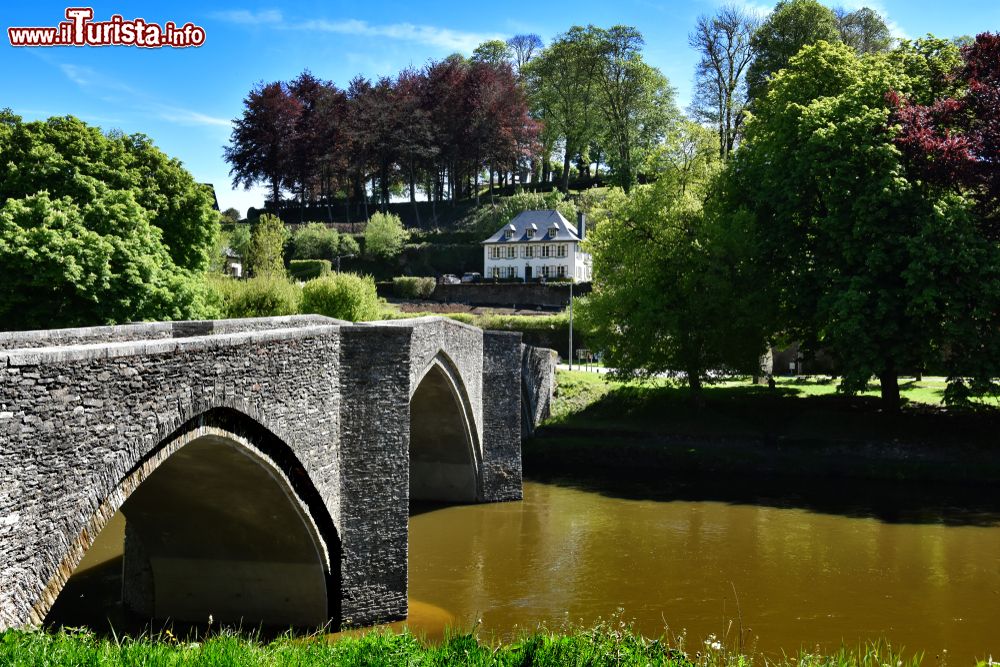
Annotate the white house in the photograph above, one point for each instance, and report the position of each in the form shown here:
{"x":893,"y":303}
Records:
{"x":537,"y":244}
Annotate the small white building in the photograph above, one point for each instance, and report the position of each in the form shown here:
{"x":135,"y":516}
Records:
{"x":537,"y":244}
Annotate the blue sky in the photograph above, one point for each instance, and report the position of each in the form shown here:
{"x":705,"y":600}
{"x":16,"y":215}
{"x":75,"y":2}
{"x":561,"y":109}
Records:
{"x":185,"y":98}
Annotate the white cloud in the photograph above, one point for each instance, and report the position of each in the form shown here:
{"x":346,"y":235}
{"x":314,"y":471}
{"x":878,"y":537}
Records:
{"x":444,"y":38}
{"x":88,"y":77}
{"x":99,"y":84}
{"x":247,"y":17}
{"x":895,"y":29}
{"x":190,"y":117}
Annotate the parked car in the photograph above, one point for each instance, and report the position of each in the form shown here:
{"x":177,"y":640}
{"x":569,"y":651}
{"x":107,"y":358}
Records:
{"x":472,"y":277}
{"x":449,"y":279}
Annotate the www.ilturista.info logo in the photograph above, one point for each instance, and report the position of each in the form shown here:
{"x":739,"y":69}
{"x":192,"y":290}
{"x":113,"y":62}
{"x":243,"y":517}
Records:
{"x":81,"y":30}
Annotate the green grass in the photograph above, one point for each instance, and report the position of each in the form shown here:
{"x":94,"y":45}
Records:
{"x":605,"y":644}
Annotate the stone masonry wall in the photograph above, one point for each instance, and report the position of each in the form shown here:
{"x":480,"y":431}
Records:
{"x":538,"y":379}
{"x":10,"y":340}
{"x":374,"y":460}
{"x":462,"y":344}
{"x":501,"y":416}
{"x":75,"y":421}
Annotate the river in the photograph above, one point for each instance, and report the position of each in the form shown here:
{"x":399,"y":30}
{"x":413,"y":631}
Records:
{"x":795,"y":568}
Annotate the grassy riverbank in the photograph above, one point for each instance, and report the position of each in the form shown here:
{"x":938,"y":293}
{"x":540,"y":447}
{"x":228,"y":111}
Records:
{"x":602,"y":645}
{"x":801,"y":428}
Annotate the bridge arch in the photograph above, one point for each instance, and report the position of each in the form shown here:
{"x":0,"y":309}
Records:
{"x":445,"y":448}
{"x":221,"y":519}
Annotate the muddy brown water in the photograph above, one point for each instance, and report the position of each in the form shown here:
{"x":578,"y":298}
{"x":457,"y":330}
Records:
{"x":807,"y":568}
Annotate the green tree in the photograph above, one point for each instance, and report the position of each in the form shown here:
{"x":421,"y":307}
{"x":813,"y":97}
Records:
{"x":230,"y":216}
{"x":493,"y":52}
{"x":85,"y":220}
{"x":723,"y":44}
{"x":564,"y":87}
{"x":669,"y":289}
{"x":636,"y":99}
{"x":864,"y":261}
{"x":384,"y":235}
{"x":238,"y":239}
{"x":267,"y":243}
{"x":864,"y":30}
{"x":792,"y":25}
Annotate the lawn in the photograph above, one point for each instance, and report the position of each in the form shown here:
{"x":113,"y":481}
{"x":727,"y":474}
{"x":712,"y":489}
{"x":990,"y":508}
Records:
{"x":803,"y":426}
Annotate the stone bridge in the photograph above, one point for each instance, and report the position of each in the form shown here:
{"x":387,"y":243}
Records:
{"x":264,"y":467}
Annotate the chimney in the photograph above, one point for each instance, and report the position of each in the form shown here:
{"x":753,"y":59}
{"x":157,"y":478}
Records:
{"x":581,"y":225}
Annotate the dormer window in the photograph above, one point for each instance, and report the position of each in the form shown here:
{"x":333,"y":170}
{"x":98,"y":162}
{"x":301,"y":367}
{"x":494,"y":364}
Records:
{"x":509,"y":234}
{"x":529,"y":233}
{"x":553,"y":232}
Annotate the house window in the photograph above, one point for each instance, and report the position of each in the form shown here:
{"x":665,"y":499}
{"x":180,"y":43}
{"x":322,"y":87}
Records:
{"x":529,"y":251}
{"x":562,"y":250}
{"x":496,"y":252}
{"x":496,"y":271}
{"x":546,"y":251}
{"x":561,"y":272}
{"x":511,"y":252}
{"x":509,"y":234}
{"x":530,"y":233}
{"x":553,"y":232}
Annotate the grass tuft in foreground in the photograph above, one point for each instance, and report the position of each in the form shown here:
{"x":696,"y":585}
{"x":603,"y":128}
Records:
{"x":604,"y":644}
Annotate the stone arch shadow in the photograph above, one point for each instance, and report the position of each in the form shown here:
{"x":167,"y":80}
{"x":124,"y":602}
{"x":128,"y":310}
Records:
{"x":445,"y":447}
{"x":189,"y":553}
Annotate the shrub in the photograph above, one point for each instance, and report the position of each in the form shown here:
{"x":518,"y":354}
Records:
{"x":412,"y":287}
{"x":384,"y":235}
{"x":263,"y":296}
{"x":344,"y":296}
{"x":307,"y":269}
{"x":315,"y":241}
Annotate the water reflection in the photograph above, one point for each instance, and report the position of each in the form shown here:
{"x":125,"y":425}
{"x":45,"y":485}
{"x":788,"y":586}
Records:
{"x":814,"y":565}
{"x":920,"y":569}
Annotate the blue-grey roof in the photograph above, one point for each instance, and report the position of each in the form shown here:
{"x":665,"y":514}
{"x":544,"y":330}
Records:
{"x":541,"y":222}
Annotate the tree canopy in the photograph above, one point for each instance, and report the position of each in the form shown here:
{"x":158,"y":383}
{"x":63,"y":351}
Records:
{"x":97,"y":228}
{"x":865,"y":260}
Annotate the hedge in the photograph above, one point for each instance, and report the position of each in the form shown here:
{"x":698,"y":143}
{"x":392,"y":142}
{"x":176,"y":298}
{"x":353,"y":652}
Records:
{"x":412,"y":287}
{"x":307,"y":269}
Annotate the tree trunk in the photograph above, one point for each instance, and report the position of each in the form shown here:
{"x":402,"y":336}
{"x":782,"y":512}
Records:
{"x":347,"y":207}
{"x":432,"y":194}
{"x":565,"y":174}
{"x":890,"y":391}
{"x":365,"y":199}
{"x":413,"y":194}
{"x":694,"y":383}
{"x":477,"y":183}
